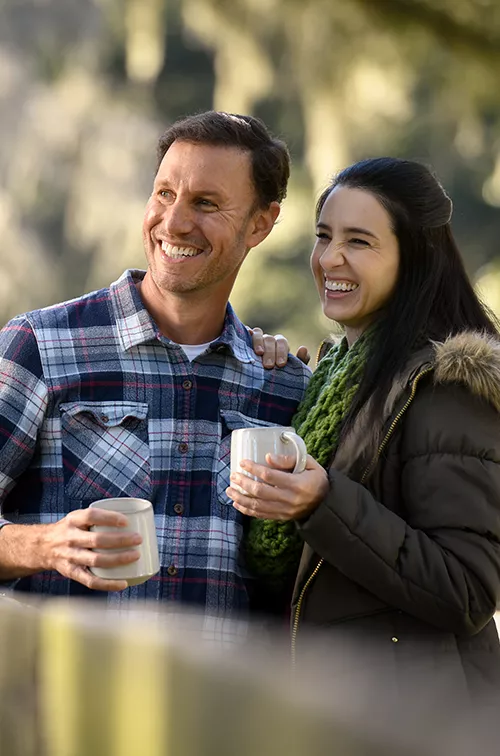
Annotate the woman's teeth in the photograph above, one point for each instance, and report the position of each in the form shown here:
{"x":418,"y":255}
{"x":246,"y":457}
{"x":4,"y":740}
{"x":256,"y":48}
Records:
{"x":340,"y":286}
{"x":174,"y":251}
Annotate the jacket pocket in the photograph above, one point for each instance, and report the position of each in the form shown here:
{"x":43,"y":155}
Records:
{"x":105,"y":450}
{"x":231,"y":420}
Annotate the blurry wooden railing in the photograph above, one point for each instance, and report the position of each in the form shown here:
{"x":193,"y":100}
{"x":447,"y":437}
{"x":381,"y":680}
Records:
{"x":79,"y":680}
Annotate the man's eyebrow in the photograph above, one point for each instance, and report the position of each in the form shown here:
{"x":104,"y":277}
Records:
{"x":196,"y":192}
{"x":207,"y":193}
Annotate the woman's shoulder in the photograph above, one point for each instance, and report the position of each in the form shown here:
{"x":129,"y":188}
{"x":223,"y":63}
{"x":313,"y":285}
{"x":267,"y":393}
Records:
{"x":457,"y":405}
{"x":472,"y":360}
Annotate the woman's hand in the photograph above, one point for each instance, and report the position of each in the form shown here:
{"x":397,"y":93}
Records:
{"x":279,"y":494}
{"x":274,"y":349}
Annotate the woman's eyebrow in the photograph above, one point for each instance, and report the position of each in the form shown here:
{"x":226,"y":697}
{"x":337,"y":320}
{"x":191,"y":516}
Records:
{"x":356,"y":230}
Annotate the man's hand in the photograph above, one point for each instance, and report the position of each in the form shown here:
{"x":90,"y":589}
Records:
{"x":279,"y":494}
{"x":274,"y":349}
{"x":66,"y":546}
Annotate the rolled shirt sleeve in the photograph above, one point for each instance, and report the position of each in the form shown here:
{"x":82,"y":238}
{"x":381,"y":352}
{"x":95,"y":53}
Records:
{"x":23,"y":402}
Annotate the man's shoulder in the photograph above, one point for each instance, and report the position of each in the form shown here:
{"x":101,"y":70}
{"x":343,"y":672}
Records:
{"x":77,"y":312}
{"x":292,"y":376}
{"x":296,"y":369}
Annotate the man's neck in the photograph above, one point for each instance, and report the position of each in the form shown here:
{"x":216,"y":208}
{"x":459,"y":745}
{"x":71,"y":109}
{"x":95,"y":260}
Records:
{"x":193,"y":318}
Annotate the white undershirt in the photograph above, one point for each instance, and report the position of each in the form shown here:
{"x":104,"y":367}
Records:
{"x":193,"y":350}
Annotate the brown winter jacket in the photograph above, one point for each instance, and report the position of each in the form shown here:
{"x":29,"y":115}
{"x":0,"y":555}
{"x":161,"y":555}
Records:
{"x":406,"y":547}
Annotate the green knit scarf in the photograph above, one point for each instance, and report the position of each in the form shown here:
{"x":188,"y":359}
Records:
{"x":272,"y":549}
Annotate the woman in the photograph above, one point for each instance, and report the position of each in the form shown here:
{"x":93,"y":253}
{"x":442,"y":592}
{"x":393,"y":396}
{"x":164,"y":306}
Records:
{"x":399,"y":505}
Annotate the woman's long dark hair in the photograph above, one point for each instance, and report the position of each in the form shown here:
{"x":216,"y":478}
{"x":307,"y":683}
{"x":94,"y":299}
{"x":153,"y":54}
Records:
{"x":433,"y":298}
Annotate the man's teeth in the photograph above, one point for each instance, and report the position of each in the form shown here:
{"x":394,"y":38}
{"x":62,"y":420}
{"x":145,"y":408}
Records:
{"x":340,"y":286}
{"x":174,"y":251}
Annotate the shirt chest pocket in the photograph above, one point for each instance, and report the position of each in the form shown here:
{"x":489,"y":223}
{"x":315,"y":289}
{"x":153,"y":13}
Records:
{"x":231,"y":420}
{"x":105,"y":450}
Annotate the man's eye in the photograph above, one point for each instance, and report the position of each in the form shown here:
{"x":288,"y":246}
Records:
{"x":164,"y":193}
{"x":206,"y":203}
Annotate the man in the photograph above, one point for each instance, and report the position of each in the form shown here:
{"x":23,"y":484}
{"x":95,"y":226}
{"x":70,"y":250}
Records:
{"x":134,"y":390}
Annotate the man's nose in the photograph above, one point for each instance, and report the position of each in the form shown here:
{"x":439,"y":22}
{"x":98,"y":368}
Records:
{"x":178,"y":218}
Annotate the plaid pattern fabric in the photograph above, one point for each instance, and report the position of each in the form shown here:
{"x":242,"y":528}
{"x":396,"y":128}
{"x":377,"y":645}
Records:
{"x":96,"y":403}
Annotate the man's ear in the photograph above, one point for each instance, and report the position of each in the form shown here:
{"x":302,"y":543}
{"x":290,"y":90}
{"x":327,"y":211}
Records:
{"x":262,"y":223}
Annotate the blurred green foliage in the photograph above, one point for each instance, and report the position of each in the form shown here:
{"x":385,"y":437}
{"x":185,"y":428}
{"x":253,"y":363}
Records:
{"x":87,"y":86}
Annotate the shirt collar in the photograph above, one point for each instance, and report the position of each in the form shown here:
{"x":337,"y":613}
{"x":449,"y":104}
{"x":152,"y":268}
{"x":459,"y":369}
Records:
{"x":133,"y":322}
{"x":136,"y":326}
{"x":235,"y":337}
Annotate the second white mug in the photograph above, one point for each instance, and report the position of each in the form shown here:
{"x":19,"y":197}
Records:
{"x":255,"y":443}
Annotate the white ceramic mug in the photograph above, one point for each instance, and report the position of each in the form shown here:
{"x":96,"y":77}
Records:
{"x":255,"y":443}
{"x":140,"y":516}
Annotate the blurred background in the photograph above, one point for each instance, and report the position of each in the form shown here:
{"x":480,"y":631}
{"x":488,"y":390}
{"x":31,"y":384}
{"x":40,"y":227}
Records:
{"x":87,"y":86}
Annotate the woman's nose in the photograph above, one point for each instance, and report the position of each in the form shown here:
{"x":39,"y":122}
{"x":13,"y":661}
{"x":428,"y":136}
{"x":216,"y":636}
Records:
{"x":333,"y":256}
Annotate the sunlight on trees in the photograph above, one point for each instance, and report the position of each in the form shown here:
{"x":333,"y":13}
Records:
{"x":86,"y":87}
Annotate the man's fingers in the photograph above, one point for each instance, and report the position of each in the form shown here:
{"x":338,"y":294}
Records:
{"x":104,"y":559}
{"x":87,"y":539}
{"x":303,"y":355}
{"x":85,"y":518}
{"x":85,"y":577}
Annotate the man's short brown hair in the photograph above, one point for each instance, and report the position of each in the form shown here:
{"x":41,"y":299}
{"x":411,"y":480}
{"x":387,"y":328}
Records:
{"x":270,"y":157}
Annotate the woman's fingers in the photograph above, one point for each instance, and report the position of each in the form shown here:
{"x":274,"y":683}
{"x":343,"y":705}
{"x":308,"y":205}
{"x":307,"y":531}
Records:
{"x":273,"y":349}
{"x":263,"y":510}
{"x":282,"y":349}
{"x":303,"y":355}
{"x":278,"y":494}
{"x":257,"y":340}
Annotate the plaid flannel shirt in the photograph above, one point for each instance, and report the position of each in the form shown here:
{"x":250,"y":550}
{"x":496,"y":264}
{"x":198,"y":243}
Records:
{"x":96,"y":403}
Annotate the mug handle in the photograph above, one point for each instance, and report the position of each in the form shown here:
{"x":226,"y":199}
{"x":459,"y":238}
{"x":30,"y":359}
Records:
{"x":300,"y":450}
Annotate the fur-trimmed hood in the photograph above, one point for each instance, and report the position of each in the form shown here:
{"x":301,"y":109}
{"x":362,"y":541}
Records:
{"x":469,"y":358}
{"x":472,"y":359}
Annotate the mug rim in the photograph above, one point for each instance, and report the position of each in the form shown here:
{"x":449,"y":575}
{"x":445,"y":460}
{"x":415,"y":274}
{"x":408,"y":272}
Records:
{"x":141,"y":505}
{"x":261,"y":428}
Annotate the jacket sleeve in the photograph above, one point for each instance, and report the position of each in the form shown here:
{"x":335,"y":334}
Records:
{"x":438,"y":558}
{"x":23,"y":401}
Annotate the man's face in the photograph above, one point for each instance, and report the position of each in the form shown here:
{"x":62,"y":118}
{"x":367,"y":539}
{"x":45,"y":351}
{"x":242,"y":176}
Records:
{"x":200,"y":220}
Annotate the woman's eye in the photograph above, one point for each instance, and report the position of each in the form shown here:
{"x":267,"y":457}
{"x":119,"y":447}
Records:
{"x":321,"y":235}
{"x":359,"y":242}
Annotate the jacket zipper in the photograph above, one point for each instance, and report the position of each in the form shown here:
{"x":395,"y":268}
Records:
{"x":368,"y":470}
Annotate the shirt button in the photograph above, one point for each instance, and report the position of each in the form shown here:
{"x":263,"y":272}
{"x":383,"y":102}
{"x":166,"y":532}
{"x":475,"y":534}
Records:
{"x":105,"y":418}
{"x":172,"y":570}
{"x":183,"y":447}
{"x":187,"y":384}
{"x":178,"y":509}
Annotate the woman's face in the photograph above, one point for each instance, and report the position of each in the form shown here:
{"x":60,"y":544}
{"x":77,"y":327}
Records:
{"x":355,"y":259}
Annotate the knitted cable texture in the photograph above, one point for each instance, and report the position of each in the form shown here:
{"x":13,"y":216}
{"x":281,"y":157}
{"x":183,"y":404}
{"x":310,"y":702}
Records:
{"x":272,"y":549}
